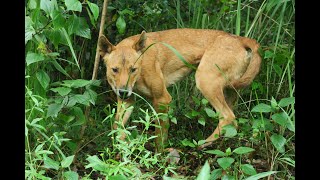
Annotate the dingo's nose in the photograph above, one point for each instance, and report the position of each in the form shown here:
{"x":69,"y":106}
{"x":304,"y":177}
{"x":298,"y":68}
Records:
{"x":123,"y":94}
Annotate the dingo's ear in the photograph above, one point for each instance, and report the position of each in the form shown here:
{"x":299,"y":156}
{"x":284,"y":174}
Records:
{"x":105,"y":47}
{"x":140,"y":44}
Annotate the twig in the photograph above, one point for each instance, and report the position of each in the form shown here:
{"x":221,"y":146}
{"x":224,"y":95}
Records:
{"x":103,"y":17}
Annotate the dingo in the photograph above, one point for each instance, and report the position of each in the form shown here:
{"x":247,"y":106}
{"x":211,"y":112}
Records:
{"x":225,"y":62}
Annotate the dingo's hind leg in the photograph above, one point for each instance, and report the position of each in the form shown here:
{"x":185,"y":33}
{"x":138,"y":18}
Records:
{"x":212,"y":82}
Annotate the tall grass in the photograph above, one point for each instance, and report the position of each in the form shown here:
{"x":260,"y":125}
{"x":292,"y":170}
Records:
{"x":271,"y":23}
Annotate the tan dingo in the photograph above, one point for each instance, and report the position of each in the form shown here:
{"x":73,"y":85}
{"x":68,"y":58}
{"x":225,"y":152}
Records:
{"x":225,"y":62}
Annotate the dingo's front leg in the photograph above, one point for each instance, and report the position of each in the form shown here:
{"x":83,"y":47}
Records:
{"x":161,"y":105}
{"x":124,"y":110}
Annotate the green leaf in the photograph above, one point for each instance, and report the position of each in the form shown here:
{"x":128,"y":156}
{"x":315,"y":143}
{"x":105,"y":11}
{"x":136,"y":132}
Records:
{"x":58,"y":19}
{"x":78,"y":98}
{"x":91,"y":96}
{"x":278,"y":141}
{"x":210,"y":112}
{"x":225,"y":162}
{"x":32,"y":4}
{"x":261,"y":175}
{"x":205,"y":172}
{"x":289,"y":161}
{"x":228,"y":177}
{"x":67,"y":161}
{"x":242,"y":120}
{"x":33,"y":57}
{"x":76,"y":83}
{"x":243,"y":150}
{"x":286,"y":101}
{"x":48,"y":6}
{"x":73,"y":5}
{"x":263,"y":124}
{"x":262,"y":108}
{"x":29,"y":31}
{"x":194,"y":113}
{"x":73,"y":24}
{"x":117,"y":177}
{"x":59,"y":68}
{"x":201,"y":142}
{"x":95,"y":163}
{"x":204,"y":101}
{"x":174,"y":120}
{"x":216,"y":152}
{"x":54,"y":109}
{"x":248,"y":169}
{"x":274,"y":103}
{"x":61,"y":90}
{"x":280,"y":118}
{"x":121,"y":25}
{"x":77,"y":111}
{"x":277,"y":69}
{"x":78,"y":25}
{"x":268,"y":54}
{"x":50,"y":163}
{"x":196,"y":100}
{"x":230,"y":130}
{"x":84,"y":30}
{"x":94,"y":9}
{"x":56,"y":36}
{"x":34,"y":121}
{"x":202,"y":121}
{"x":43,"y":78}
{"x":93,"y":22}
{"x":71,"y":175}
{"x":186,"y":142}
{"x":228,"y":151}
{"x":216,"y":174}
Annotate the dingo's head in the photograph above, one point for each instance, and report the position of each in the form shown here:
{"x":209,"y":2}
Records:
{"x":123,"y":64}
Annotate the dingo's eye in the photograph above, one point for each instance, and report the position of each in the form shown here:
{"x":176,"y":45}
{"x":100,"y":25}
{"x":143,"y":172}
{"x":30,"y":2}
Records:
{"x":115,"y":70}
{"x":133,"y":70}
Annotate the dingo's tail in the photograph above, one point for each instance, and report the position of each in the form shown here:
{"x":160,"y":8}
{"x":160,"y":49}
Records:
{"x":253,"y":67}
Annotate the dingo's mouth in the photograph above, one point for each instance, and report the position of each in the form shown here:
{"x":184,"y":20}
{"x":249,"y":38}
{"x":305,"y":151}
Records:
{"x":123,"y":93}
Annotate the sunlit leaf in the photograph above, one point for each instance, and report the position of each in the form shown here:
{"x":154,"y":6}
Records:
{"x":243,"y":150}
{"x":230,"y":130}
{"x":61,"y":90}
{"x":261,"y":175}
{"x":121,"y":25}
{"x":286,"y":101}
{"x":50,"y":163}
{"x":71,"y":175}
{"x":210,"y":112}
{"x":73,"y":5}
{"x":248,"y":169}
{"x":94,"y":9}
{"x":28,"y":29}
{"x":262,"y":108}
{"x":225,"y":162}
{"x":33,"y":57}
{"x":216,"y":174}
{"x":216,"y":152}
{"x":205,"y":172}
{"x":278,"y":141}
{"x":54,"y":109}
{"x":43,"y":78}
{"x":67,"y":161}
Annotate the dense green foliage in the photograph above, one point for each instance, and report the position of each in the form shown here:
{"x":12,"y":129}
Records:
{"x":61,"y":40}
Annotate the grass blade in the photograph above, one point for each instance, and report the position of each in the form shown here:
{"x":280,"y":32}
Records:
{"x":70,"y":46}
